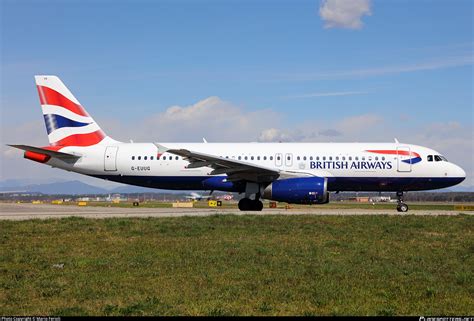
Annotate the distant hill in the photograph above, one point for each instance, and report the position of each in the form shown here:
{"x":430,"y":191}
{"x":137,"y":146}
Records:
{"x":69,"y":187}
{"x":133,"y":189}
{"x":457,"y":189}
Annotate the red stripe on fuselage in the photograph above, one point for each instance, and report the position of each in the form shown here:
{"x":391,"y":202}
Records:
{"x":81,"y":139}
{"x":394,"y":152}
{"x":50,"y":96}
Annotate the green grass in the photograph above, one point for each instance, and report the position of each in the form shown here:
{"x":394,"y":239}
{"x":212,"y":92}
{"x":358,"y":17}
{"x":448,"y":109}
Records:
{"x":234,"y":265}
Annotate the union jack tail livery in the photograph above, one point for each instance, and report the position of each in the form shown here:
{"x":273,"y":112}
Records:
{"x":67,"y":122}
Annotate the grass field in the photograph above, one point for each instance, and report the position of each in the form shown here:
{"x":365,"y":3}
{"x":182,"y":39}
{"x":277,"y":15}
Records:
{"x":239,"y":265}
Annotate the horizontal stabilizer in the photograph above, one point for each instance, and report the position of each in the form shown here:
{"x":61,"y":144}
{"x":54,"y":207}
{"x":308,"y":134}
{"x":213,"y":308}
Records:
{"x":51,"y":153}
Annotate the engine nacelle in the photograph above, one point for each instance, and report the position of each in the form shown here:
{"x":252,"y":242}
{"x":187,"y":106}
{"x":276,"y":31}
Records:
{"x":301,"y":190}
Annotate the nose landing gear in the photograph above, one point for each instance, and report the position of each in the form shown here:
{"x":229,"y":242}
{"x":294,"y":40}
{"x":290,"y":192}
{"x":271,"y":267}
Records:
{"x":401,"y":207}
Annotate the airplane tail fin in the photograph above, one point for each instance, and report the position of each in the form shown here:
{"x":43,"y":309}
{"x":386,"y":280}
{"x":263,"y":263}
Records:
{"x":67,"y":122}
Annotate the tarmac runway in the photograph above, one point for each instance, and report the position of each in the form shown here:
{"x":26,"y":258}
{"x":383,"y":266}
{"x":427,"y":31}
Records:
{"x":26,"y":211}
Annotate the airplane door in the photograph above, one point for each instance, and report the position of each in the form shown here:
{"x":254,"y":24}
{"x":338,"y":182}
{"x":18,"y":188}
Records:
{"x":288,"y":160}
{"x":278,"y":159}
{"x":110,"y":158}
{"x":403,"y":159}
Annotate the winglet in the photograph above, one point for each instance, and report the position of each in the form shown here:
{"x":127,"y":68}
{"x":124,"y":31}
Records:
{"x":161,"y":149}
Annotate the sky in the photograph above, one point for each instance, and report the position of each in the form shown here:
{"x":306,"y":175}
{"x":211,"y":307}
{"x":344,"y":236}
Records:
{"x":322,"y":71}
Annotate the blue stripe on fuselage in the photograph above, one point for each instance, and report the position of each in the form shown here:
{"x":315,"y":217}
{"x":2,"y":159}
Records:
{"x":334,"y":183}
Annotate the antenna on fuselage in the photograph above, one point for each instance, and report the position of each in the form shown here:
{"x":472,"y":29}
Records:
{"x":396,"y":140}
{"x":204,"y":140}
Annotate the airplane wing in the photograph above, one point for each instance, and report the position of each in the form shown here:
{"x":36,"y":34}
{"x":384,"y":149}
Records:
{"x":236,"y":170}
{"x":52,"y":153}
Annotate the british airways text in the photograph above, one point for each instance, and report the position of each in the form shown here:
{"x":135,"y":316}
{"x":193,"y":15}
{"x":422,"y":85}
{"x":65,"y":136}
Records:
{"x":350,"y":165}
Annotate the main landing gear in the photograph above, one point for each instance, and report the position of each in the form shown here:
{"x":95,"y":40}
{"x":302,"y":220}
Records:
{"x":254,"y":203}
{"x":401,"y":207}
{"x":247,"y":204}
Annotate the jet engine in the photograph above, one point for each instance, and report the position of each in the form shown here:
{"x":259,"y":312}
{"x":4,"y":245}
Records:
{"x":300,"y":190}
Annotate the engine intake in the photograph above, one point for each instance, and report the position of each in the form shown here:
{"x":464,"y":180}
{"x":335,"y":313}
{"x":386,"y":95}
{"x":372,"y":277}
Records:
{"x":301,"y":190}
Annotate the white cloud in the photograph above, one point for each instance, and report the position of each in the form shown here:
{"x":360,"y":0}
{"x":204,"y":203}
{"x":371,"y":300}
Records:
{"x":275,"y":135}
{"x":433,"y":64}
{"x":344,"y":13}
{"x":212,"y":118}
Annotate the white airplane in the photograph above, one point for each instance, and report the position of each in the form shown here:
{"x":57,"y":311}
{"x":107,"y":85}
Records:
{"x":301,"y":173}
{"x":197,"y":197}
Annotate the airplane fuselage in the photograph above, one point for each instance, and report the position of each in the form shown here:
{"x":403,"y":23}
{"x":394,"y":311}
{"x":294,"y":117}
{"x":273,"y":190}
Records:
{"x":347,"y":166}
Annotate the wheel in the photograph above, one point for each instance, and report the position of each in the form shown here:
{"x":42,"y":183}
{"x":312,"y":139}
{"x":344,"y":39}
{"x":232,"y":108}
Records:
{"x":403,"y":207}
{"x":245,"y":204}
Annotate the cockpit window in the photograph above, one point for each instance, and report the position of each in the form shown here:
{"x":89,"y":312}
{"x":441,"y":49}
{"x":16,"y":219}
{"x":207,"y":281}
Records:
{"x":437,"y":158}
{"x":430,"y":158}
{"x":443,"y":158}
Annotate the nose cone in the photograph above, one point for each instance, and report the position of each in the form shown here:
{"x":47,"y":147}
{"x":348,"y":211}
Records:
{"x":458,"y":174}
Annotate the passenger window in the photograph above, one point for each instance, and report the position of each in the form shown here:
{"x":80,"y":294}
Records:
{"x":297,"y":158}
{"x":278,"y":157}
{"x":240,"y":157}
{"x":337,"y":157}
{"x":343,"y":158}
{"x":177,"y":157}
{"x":288,"y":157}
{"x":317,"y":157}
{"x":437,"y":158}
{"x":330,"y":158}
{"x":350,"y":158}
{"x":164,"y":157}
{"x":145,"y":158}
{"x":383,"y":158}
{"x":251,"y":157}
{"x":139,"y":157}
{"x":363,"y":158}
{"x":324,"y":158}
{"x":271,"y":157}
{"x":376,"y":158}
{"x":304,"y":157}
{"x":357,"y":158}
{"x":264,"y":157}
{"x":310,"y":157}
{"x":151,"y":157}
{"x":133,"y":157}
{"x":245,"y":157}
